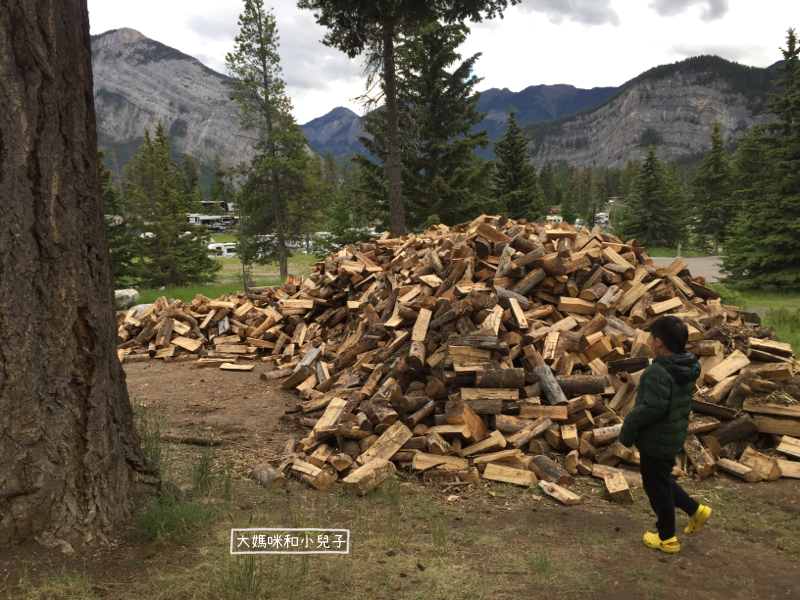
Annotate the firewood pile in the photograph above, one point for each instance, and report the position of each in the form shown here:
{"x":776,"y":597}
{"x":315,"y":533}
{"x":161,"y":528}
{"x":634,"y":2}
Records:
{"x":498,"y":350}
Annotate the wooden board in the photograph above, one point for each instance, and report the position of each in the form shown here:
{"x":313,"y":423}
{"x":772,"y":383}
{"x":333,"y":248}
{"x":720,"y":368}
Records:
{"x":423,"y":461}
{"x":495,"y":472}
{"x":534,"y":411}
{"x":790,"y":446}
{"x":789,"y":468}
{"x":561,"y":494}
{"x":233,"y":367}
{"x":489,"y":394}
{"x":777,"y":425}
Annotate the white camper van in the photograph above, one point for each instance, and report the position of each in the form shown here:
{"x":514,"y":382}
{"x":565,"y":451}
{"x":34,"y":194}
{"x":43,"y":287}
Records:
{"x":222,"y":250}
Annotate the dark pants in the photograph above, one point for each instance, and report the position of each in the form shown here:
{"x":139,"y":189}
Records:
{"x":664,"y":493}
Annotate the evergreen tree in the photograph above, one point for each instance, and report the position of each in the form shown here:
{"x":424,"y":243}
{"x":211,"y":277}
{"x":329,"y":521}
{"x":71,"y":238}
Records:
{"x":278,"y":173}
{"x":442,"y":180}
{"x":440,"y":177}
{"x":656,"y":211}
{"x":515,"y":180}
{"x":168,"y":251}
{"x":221,"y":188}
{"x":374,"y":25}
{"x":547,"y":184}
{"x":764,"y":247}
{"x":120,"y":235}
{"x":712,"y":190}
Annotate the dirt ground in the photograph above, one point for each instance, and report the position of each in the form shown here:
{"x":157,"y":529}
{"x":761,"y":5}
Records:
{"x":411,"y":541}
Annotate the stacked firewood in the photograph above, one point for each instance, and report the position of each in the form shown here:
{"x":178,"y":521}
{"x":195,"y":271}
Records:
{"x":499,"y":350}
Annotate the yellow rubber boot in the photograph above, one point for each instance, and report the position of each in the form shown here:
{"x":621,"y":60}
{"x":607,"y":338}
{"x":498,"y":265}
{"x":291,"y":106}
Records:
{"x":697,"y":520}
{"x":670,"y":546}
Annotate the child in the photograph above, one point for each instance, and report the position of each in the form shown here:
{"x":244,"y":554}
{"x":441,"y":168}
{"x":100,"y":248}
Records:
{"x":658,"y":425}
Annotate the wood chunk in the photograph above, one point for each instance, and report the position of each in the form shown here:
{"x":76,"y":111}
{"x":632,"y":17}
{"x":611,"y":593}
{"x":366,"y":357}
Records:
{"x":550,"y":471}
{"x":312,"y":475}
{"x":462,"y":414}
{"x":500,"y":378}
{"x":534,"y":411}
{"x":618,"y":488}
{"x":561,"y":494}
{"x":776,"y":348}
{"x":569,"y":435}
{"x":732,"y":364}
{"x":368,"y":476}
{"x":489,"y":394}
{"x":469,"y":475}
{"x":387,"y":444}
{"x":437,"y":444}
{"x":764,"y":465}
{"x":424,"y":461}
{"x":606,"y":435}
{"x":233,"y":367}
{"x":527,"y":433}
{"x":496,"y":472}
{"x":634,"y":479}
{"x":790,"y":446}
{"x":268,"y":476}
{"x":789,"y":468}
{"x":735,"y":430}
{"x":512,"y":455}
{"x":699,"y":457}
{"x":494,"y":441}
{"x":777,"y":425}
{"x":739,"y":470}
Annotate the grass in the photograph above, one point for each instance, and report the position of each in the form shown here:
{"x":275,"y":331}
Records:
{"x":786,"y":324}
{"x":657,"y":252}
{"x":230,"y":279}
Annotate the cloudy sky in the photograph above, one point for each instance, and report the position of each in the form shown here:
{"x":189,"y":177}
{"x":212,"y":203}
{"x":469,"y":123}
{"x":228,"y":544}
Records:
{"x":586,"y":43}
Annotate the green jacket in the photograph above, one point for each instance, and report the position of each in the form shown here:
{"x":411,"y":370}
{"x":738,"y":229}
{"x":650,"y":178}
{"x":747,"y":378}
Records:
{"x":659,"y":421}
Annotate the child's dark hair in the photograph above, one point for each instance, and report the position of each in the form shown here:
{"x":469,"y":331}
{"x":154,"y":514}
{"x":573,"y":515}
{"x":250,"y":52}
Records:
{"x":672,"y":331}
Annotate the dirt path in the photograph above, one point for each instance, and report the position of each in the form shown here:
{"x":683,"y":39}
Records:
{"x":416,"y":542}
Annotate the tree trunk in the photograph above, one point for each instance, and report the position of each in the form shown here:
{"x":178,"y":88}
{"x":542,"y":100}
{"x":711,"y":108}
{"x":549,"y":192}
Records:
{"x":71,"y":464}
{"x":397,"y":211}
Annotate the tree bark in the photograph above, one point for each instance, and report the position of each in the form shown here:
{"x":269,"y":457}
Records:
{"x":71,"y":464}
{"x":397,"y":212}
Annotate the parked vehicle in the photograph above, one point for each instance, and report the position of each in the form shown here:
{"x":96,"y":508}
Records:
{"x":555,"y":219}
{"x":579,"y":223}
{"x":211,"y":222}
{"x":222,"y":250}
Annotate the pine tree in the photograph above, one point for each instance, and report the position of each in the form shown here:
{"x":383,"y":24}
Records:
{"x":120,"y":235}
{"x":278,"y":171}
{"x":442,"y":181}
{"x":168,"y":251}
{"x":656,"y":211}
{"x":221,"y":189}
{"x":355,"y":26}
{"x":515,"y":180}
{"x":547,"y":184}
{"x":764,"y":248}
{"x":712,"y":190}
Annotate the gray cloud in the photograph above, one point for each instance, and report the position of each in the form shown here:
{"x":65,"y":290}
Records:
{"x":587,"y":12}
{"x":713,"y":9}
{"x":307,"y":64}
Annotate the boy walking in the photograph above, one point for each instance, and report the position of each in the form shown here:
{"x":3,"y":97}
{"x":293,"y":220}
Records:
{"x":658,"y":425}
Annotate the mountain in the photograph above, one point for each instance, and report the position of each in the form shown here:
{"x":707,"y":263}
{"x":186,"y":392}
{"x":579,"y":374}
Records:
{"x":337,"y":132}
{"x":138,"y":82}
{"x":672,"y":107}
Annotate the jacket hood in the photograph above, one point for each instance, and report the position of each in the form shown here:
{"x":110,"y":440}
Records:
{"x":682,"y":367}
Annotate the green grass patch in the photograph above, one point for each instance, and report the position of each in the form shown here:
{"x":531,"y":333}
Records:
{"x":657,"y":252}
{"x":171,"y":517}
{"x":224,"y":238}
{"x":786,"y":324}
{"x":230,"y":279}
